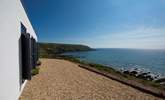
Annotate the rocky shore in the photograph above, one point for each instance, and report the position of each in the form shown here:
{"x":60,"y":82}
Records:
{"x":138,"y":73}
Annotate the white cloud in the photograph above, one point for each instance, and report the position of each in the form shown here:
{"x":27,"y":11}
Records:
{"x":141,"y":37}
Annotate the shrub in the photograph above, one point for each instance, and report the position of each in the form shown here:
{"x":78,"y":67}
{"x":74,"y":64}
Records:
{"x":35,"y":71}
{"x":38,"y":63}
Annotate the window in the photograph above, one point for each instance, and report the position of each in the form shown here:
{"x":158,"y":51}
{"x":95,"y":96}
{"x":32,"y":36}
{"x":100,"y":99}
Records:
{"x":26,"y":63}
{"x":34,"y":52}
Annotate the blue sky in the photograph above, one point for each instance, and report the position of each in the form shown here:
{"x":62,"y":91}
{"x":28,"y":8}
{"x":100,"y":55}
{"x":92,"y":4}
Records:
{"x":100,"y":23}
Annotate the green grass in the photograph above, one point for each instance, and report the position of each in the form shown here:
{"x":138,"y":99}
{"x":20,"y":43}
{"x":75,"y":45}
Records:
{"x":35,"y":71}
{"x":112,"y":71}
{"x":50,"y":50}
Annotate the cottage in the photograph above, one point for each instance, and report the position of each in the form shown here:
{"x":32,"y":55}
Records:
{"x":18,"y":49}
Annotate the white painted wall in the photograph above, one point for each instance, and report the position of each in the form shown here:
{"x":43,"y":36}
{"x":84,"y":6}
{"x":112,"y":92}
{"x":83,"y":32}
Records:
{"x":11,"y":14}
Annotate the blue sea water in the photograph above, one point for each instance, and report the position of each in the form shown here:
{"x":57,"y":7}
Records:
{"x":148,"y":60}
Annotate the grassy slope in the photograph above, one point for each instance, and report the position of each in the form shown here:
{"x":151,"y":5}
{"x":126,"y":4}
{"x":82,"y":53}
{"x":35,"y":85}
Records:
{"x":52,"y":49}
{"x":141,"y":84}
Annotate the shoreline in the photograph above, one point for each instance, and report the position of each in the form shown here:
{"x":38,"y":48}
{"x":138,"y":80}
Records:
{"x":136,"y":60}
{"x":140,"y":84}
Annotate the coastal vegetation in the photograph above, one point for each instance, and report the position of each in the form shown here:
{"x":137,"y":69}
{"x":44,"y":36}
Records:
{"x":51,"y":50}
{"x":141,"y":81}
{"x":35,"y":71}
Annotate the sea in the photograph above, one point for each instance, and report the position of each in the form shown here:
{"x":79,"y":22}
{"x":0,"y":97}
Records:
{"x":126,"y":59}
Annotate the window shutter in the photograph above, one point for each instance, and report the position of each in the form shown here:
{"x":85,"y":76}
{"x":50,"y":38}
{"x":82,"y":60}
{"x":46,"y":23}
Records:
{"x":26,"y":57}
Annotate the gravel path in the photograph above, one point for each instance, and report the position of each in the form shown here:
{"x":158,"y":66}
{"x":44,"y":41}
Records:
{"x":64,"y":80}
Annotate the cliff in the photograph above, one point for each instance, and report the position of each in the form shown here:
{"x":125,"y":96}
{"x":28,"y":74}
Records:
{"x":53,"y":49}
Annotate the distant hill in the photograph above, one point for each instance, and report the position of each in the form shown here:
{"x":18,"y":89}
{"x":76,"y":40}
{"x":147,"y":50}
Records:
{"x":53,"y":49}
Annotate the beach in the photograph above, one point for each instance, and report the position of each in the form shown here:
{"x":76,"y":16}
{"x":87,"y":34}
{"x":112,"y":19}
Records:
{"x":64,"y":80}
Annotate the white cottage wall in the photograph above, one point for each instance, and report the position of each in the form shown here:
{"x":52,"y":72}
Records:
{"x":12,"y":14}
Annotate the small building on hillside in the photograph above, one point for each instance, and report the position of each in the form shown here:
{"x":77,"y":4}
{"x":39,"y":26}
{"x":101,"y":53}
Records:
{"x":18,"y":49}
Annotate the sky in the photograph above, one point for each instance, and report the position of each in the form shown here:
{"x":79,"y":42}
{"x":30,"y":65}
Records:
{"x":100,"y":23}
